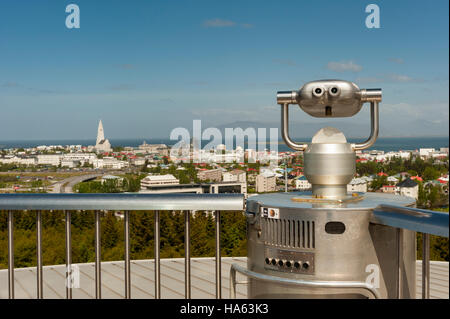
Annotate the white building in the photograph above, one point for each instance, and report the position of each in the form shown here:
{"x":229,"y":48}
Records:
{"x":368,"y":179}
{"x":80,"y":157}
{"x":302,"y":183}
{"x":408,"y":188}
{"x":49,"y":159}
{"x":426,"y":152}
{"x":159,"y":180}
{"x":69,"y":163}
{"x":117,"y":179}
{"x":18,"y":160}
{"x":357,"y":185}
{"x":160,"y":149}
{"x":266,"y":182}
{"x":109,"y":162}
{"x":392,"y":179}
{"x":139,"y":161}
{"x":235,"y":176}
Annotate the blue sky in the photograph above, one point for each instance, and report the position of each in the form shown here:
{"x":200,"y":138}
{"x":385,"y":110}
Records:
{"x":146,"y":67}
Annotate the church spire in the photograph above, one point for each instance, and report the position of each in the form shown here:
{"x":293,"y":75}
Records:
{"x":100,"y":133}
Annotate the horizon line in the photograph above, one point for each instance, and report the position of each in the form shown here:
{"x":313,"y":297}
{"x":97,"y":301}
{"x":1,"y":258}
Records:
{"x":166,"y":138}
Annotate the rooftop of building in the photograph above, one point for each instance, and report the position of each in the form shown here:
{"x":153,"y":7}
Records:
{"x":407,"y":183}
{"x":172,"y":279}
{"x":161,"y":177}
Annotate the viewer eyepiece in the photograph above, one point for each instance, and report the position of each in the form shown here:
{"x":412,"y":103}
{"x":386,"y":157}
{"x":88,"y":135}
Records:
{"x":318,"y":92}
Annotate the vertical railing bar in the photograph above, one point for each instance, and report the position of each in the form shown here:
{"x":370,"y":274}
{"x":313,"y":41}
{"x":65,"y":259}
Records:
{"x":69,"y":272}
{"x":127,"y":255}
{"x":157,"y":257}
{"x":425,"y":266}
{"x":10,"y":254}
{"x":39,"y":290}
{"x":400,"y":262}
{"x":218,"y":259}
{"x":187,"y":255}
{"x":98,"y":258}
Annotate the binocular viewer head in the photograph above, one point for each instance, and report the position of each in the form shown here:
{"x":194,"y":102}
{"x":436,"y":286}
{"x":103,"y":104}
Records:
{"x":330,"y":98}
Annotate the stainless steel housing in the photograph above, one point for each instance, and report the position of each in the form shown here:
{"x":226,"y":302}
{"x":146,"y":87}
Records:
{"x":330,"y":163}
{"x":343,"y":249}
{"x":330,"y":98}
{"x":329,"y":168}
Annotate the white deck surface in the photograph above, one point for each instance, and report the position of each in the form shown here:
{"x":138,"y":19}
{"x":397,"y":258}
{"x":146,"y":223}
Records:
{"x":172,"y":279}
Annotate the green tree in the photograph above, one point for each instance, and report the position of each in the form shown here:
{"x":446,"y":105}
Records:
{"x":430,"y":173}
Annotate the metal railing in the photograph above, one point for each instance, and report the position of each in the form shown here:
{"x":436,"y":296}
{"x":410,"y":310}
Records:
{"x":116,"y":202}
{"x":424,"y":221}
{"x":419,"y":220}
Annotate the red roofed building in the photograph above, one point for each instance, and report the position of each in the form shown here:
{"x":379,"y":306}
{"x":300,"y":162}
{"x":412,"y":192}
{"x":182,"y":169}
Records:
{"x":417,"y":178}
{"x":443,"y":179}
{"x":382,"y":174}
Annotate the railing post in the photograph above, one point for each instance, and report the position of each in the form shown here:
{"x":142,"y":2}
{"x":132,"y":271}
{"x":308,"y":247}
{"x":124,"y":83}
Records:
{"x":425,"y":266}
{"x":69,"y":272}
{"x":187,"y":255}
{"x":399,"y":262}
{"x":127,"y":255}
{"x":157,"y":257}
{"x":232,"y":282}
{"x":218,"y":259}
{"x":98,"y":258}
{"x":10,"y":254}
{"x":39,"y":290}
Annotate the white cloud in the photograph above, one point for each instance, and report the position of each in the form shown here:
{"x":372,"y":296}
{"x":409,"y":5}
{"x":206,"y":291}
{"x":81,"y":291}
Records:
{"x":397,"y":78}
{"x":400,"y":78}
{"x":222,"y":23}
{"x":10,"y":84}
{"x":396,"y":60}
{"x":344,"y":66}
{"x":218,"y":23}
{"x":369,"y":80}
{"x":285,"y":62}
{"x":406,"y":109}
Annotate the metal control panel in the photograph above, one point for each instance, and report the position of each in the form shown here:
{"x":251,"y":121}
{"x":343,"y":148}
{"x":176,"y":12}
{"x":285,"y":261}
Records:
{"x":289,"y":261}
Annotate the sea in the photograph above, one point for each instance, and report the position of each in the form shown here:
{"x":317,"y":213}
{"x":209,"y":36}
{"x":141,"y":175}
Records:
{"x":382,"y":144}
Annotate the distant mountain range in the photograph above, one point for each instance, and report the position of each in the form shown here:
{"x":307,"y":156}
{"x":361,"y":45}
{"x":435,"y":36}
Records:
{"x":351,"y":129}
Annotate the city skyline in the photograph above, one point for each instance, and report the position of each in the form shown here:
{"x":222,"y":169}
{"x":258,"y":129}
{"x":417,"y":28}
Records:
{"x":147,"y":68}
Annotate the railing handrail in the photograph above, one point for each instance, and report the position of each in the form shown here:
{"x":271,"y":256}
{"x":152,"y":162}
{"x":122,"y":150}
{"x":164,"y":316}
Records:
{"x":420,"y":220}
{"x":121,"y":201}
{"x":116,"y":202}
